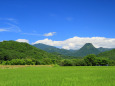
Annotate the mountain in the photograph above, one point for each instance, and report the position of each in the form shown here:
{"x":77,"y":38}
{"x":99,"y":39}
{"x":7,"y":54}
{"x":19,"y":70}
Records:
{"x":52,"y":49}
{"x":88,"y":48}
{"x":101,"y":49}
{"x":108,"y":54}
{"x":18,"y":50}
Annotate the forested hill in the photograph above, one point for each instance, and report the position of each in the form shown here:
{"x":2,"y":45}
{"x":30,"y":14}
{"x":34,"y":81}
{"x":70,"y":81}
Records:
{"x":88,"y":48}
{"x":17,"y":50}
{"x":109,"y":54}
{"x":52,"y":49}
{"x":101,"y":49}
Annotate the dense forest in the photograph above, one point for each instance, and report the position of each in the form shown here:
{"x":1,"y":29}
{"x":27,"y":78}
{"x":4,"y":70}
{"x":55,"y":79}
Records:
{"x":18,"y":53}
{"x":15,"y":50}
{"x":52,"y":49}
{"x":88,"y":48}
{"x":108,"y":54}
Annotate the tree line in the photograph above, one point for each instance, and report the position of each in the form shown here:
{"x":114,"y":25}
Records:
{"x":89,"y":60}
{"x":16,"y":53}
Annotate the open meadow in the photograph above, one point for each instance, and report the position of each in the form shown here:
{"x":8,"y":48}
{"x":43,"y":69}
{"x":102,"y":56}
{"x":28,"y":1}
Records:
{"x":57,"y":76}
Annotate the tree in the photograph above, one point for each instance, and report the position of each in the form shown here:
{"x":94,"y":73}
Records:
{"x":66,"y":62}
{"x":90,"y":60}
{"x":102,"y":61}
{"x":78,"y":62}
{"x":46,"y":61}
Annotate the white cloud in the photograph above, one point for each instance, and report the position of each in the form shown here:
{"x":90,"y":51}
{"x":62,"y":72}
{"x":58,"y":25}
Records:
{"x":3,"y":29}
{"x":36,"y":34}
{"x":49,"y":34}
{"x":78,"y":42}
{"x":22,"y":40}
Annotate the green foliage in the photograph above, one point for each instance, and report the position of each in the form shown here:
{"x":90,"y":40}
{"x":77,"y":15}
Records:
{"x":111,"y":62}
{"x":66,"y":62}
{"x":101,"y":49}
{"x":52,"y":49}
{"x":15,"y":50}
{"x":55,"y":65}
{"x":15,"y":53}
{"x":108,"y":54}
{"x":102,"y":61}
{"x":72,"y":62}
{"x":19,"y":62}
{"x":78,"y":62}
{"x":92,"y":60}
{"x":46,"y":61}
{"x":88,"y":48}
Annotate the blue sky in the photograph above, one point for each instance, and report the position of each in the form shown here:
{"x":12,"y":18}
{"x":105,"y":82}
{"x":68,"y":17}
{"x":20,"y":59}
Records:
{"x":58,"y":20}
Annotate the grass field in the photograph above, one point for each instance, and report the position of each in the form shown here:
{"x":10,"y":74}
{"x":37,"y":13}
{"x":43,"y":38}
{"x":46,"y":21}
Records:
{"x":57,"y":76}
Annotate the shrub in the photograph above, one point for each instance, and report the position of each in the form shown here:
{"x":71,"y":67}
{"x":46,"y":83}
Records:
{"x":66,"y":62}
{"x":78,"y":62}
{"x":46,"y":61}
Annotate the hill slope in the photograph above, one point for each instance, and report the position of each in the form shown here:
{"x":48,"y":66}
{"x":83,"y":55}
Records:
{"x":52,"y":49}
{"x":108,"y":54}
{"x":101,"y":49}
{"x":13,"y":50}
{"x":88,"y":48}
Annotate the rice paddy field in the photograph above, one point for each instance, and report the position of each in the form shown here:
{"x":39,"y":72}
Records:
{"x":57,"y":76}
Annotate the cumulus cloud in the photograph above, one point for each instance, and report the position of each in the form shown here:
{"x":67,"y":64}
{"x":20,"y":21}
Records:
{"x":22,"y":40}
{"x":49,"y":34}
{"x":78,"y":42}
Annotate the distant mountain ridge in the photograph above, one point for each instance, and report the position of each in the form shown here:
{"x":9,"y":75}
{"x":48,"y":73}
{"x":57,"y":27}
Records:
{"x":52,"y":49}
{"x":88,"y":48}
{"x":104,"y":49}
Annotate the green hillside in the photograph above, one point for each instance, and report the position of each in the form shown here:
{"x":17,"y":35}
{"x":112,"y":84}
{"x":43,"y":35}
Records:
{"x":101,"y":49}
{"x":88,"y":48}
{"x":52,"y":49}
{"x":17,"y":53}
{"x":109,"y":54}
{"x":16,"y":50}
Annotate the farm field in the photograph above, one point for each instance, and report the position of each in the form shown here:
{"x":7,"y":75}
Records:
{"x":57,"y":76}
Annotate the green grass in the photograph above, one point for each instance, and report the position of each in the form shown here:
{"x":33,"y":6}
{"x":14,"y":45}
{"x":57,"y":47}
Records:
{"x":58,"y":76}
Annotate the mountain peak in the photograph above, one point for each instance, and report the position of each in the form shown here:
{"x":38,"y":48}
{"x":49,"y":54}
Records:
{"x":89,"y":43}
{"x":88,"y":46}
